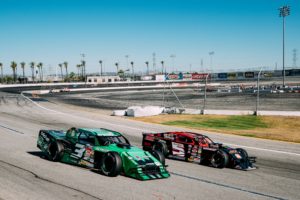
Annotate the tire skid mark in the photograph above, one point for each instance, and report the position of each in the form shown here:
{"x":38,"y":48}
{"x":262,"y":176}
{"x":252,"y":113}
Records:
{"x":14,"y":130}
{"x":49,"y":181}
{"x":227,"y":186}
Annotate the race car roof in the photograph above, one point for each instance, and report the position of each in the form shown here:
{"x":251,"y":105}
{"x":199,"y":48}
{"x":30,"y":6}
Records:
{"x":99,"y":131}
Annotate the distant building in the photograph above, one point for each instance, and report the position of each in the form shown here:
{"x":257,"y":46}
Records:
{"x":102,"y":79}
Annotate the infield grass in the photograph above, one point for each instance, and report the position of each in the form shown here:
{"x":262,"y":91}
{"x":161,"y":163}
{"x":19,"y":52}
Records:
{"x":267,"y":127}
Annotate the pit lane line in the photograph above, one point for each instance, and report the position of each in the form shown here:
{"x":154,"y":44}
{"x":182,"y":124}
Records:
{"x":144,"y":130}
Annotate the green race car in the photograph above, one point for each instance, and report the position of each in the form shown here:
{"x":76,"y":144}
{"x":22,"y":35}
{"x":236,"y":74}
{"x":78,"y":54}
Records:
{"x":102,"y":149}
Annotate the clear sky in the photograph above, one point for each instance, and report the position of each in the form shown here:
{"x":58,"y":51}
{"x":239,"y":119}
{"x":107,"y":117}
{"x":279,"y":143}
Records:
{"x":241,"y":33}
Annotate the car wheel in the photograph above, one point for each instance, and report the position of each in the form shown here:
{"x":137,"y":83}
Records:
{"x":159,"y":156}
{"x":160,"y":146}
{"x":219,"y":159}
{"x":111,"y":164}
{"x":55,"y":151}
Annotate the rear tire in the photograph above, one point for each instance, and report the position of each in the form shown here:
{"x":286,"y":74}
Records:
{"x":159,"y":156}
{"x":55,"y":151}
{"x":160,"y":146}
{"x":111,"y":164}
{"x":219,"y":159}
{"x":243,"y":152}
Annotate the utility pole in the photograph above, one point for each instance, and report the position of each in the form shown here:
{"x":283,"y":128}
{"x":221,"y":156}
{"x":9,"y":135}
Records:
{"x":283,"y":12}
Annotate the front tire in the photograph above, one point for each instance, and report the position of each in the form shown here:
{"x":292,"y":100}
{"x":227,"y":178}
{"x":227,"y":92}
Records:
{"x":219,"y":159}
{"x":159,"y":156}
{"x":111,"y":164}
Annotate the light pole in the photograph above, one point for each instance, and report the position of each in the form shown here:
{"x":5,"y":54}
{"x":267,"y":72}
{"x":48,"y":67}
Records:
{"x":283,"y":12}
{"x":100,"y":61}
{"x":204,"y":100}
{"x":257,"y":96}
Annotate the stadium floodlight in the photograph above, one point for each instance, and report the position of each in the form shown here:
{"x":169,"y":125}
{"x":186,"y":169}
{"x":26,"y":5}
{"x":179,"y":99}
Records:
{"x":283,"y":12}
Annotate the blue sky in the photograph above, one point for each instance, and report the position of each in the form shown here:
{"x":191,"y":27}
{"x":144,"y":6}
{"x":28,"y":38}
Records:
{"x":242,"y":33}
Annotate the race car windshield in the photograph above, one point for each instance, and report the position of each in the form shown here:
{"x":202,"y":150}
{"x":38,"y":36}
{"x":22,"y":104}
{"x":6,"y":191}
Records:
{"x":106,"y":140}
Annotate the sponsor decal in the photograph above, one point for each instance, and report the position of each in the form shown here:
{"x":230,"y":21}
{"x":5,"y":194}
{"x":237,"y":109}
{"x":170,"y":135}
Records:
{"x":169,"y":136}
{"x":79,"y":150}
{"x":45,"y":137}
{"x":249,"y":74}
{"x":178,"y":149}
{"x":150,"y":138}
{"x":200,"y":76}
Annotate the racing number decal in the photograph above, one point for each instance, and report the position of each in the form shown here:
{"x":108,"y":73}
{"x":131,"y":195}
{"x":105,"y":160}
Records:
{"x":178,"y":149}
{"x":79,"y":150}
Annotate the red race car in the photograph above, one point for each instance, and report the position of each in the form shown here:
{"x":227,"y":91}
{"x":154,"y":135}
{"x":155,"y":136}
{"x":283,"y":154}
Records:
{"x":194,"y":147}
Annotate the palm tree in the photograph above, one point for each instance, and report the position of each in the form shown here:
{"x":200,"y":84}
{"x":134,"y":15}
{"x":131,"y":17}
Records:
{"x":162,"y":66}
{"x":1,"y":66}
{"x":61,"y":71}
{"x":66,"y":66}
{"x":100,"y":61}
{"x":13,"y":65}
{"x":41,"y":73}
{"x":147,"y":64}
{"x":117,"y":65}
{"x":83,"y":69}
{"x":23,"y":68}
{"x":32,"y":70}
{"x":39,"y":69}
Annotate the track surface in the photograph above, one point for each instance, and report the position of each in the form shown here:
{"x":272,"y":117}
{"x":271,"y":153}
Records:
{"x":189,"y":98}
{"x":25,"y":174}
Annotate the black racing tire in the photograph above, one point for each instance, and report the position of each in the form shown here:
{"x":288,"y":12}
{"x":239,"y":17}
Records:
{"x":111,"y":164}
{"x":55,"y":151}
{"x":243,"y":152}
{"x":160,"y":146}
{"x":219,"y":159}
{"x":159,"y":156}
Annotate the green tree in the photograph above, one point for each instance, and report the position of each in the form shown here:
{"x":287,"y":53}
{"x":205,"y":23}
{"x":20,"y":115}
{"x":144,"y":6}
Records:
{"x":13,"y":66}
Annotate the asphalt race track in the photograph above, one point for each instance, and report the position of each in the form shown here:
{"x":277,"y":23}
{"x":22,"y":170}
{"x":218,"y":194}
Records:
{"x":25,"y":174}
